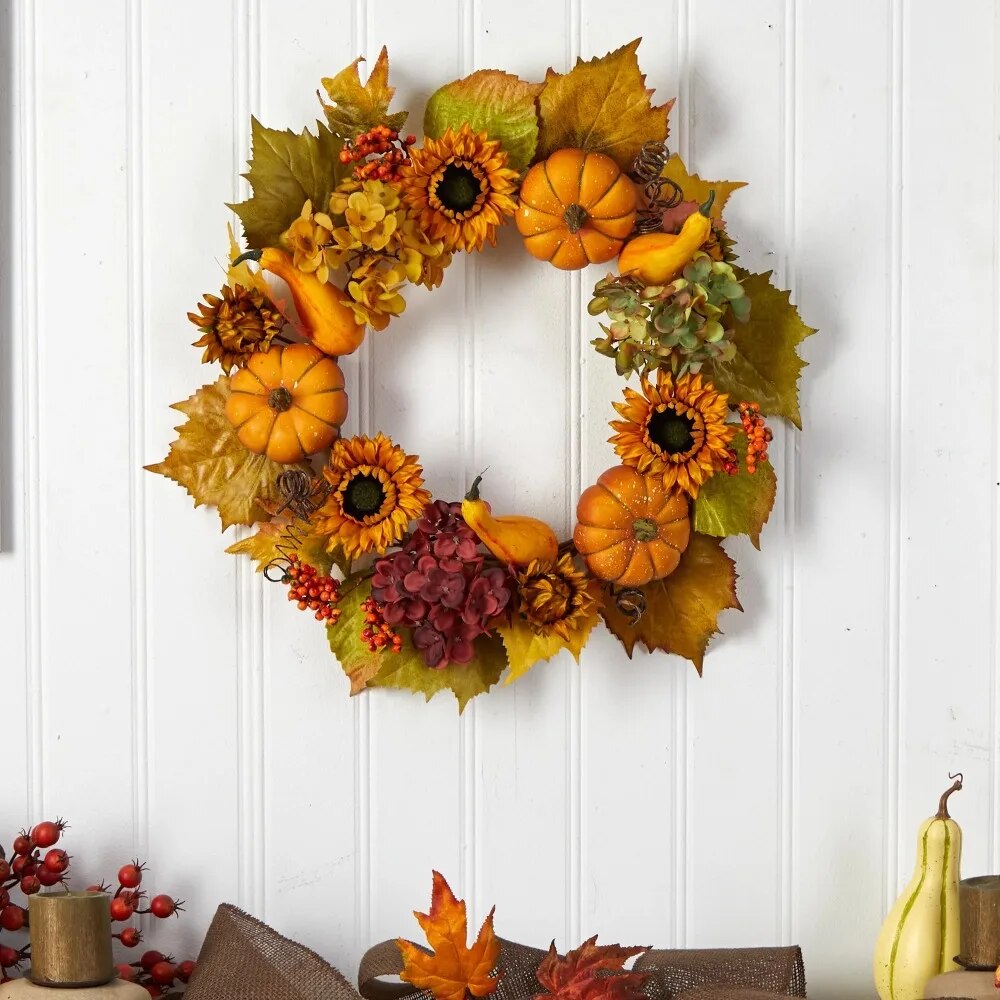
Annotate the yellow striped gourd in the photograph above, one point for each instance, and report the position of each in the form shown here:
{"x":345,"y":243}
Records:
{"x":919,"y":938}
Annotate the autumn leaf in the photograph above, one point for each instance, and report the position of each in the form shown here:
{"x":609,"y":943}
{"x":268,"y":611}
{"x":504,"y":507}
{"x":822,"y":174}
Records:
{"x":739,"y":504}
{"x":590,"y":972}
{"x":454,"y":969}
{"x":695,"y":192}
{"x":407,"y":670}
{"x":208,"y":460}
{"x":357,"y":661}
{"x":280,"y":537}
{"x":286,"y":169}
{"x":525,"y":647}
{"x":601,"y":105}
{"x":767,"y":366}
{"x":358,"y":108}
{"x":682,"y":610}
{"x":491,"y":101}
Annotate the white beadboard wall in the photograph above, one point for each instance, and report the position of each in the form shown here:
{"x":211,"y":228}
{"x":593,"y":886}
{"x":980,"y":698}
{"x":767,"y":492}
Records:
{"x":159,"y":696}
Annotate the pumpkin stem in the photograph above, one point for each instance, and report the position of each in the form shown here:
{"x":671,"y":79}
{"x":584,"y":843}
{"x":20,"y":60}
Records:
{"x":473,"y":493}
{"x":707,"y":206}
{"x":249,"y":255}
{"x":645,"y":530}
{"x":942,"y":812}
{"x":279,"y":399}
{"x":575,"y":216}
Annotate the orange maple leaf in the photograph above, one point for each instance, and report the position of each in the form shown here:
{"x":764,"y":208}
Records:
{"x":454,"y":969}
{"x":590,"y":972}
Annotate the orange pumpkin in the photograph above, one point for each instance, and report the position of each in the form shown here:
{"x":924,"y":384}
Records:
{"x":576,"y":208}
{"x":630,"y":529}
{"x":289,"y":402}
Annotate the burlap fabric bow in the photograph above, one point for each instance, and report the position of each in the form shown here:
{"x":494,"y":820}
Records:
{"x":243,"y":959}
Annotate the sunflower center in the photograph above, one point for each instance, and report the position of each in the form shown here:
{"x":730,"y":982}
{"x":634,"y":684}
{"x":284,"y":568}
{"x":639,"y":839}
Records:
{"x":645,"y":530}
{"x":671,"y":431}
{"x":458,"y":188}
{"x":364,"y":496}
{"x":279,"y":399}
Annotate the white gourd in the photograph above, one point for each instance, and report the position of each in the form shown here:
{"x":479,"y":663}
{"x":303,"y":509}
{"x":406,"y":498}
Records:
{"x":919,"y":938}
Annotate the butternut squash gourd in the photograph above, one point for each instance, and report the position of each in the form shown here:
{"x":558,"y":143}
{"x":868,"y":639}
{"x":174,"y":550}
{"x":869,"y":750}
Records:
{"x":920,"y":936}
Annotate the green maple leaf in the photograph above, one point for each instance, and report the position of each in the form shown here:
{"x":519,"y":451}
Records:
{"x":407,"y":669}
{"x":601,"y":105}
{"x":490,"y":101}
{"x":285,"y":170}
{"x":682,"y":610}
{"x":767,"y":365}
{"x":358,"y":108}
{"x":736,"y":505}
{"x":357,"y":661}
{"x":209,"y":461}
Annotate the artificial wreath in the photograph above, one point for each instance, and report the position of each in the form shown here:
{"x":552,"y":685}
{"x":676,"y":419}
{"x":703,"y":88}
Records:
{"x":432,"y":593}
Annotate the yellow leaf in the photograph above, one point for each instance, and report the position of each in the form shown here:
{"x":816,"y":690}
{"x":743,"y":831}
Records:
{"x":286,"y":169}
{"x":525,"y":647}
{"x":696,"y":191}
{"x":601,"y":105}
{"x":208,"y":460}
{"x":407,"y":670}
{"x":682,"y":610}
{"x":280,"y":537}
{"x":454,"y":969}
{"x":242,"y":273}
{"x":356,"y":108}
{"x":767,"y":365}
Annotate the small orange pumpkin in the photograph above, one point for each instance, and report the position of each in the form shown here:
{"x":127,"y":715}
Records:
{"x":630,"y":529}
{"x":289,"y":402}
{"x":577,"y":208}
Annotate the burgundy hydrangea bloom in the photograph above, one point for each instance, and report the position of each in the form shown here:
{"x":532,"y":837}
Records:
{"x":437,"y":587}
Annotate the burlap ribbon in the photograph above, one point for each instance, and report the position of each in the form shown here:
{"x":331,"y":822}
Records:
{"x":243,"y":959}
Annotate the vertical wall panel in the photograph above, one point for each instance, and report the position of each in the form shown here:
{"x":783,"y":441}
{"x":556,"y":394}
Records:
{"x":845,"y":281}
{"x":189,"y":161}
{"x":947,"y":406}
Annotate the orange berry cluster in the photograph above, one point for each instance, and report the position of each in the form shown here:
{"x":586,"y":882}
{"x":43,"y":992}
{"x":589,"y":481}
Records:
{"x":377,"y":634}
{"x":384,"y":144}
{"x":757,"y":432}
{"x":312,"y":591}
{"x":731,"y":463}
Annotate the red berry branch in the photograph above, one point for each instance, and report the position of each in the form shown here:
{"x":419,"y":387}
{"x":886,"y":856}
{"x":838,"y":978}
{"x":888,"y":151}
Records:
{"x":378,"y":154}
{"x":29,"y":870}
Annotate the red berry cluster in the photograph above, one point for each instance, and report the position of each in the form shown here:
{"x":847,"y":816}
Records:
{"x":312,"y":591}
{"x":731,"y":463}
{"x":388,"y":151}
{"x":377,"y":633}
{"x":757,"y":432}
{"x":29,"y":870}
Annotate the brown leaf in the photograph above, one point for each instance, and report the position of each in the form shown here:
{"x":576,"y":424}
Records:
{"x":590,"y":972}
{"x":600,"y":105}
{"x":208,"y":460}
{"x":358,"y":108}
{"x":682,"y":610}
{"x":454,"y":969}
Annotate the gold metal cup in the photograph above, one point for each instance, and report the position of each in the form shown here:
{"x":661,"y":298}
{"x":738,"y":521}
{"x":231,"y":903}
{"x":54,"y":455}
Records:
{"x":70,"y":939}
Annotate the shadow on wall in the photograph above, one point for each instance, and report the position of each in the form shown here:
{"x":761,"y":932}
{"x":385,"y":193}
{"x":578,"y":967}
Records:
{"x":7,"y":117}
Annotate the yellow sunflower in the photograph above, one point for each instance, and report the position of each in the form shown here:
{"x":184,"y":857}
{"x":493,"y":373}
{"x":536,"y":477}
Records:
{"x":377,"y":491}
{"x":459,"y":188}
{"x":676,"y":428}
{"x":556,"y":598}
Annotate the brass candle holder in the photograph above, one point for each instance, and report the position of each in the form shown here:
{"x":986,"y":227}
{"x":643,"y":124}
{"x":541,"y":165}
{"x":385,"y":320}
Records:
{"x":70,"y":939}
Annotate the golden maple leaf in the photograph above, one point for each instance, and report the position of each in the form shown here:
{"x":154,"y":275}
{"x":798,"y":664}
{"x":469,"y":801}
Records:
{"x":357,"y":108}
{"x":601,"y":105}
{"x":454,"y":969}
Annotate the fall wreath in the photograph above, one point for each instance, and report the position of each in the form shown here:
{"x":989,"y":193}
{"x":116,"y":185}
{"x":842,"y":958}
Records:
{"x":431,"y":593}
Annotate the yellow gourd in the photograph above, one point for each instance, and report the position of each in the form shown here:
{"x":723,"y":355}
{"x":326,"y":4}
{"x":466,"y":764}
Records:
{"x":919,"y":938}
{"x":657,"y":258}
{"x":328,"y":322}
{"x":514,"y":539}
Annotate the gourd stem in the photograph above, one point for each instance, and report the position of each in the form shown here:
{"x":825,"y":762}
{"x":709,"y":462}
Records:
{"x":707,"y":206}
{"x":473,"y":493}
{"x":942,"y":812}
{"x":249,"y":255}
